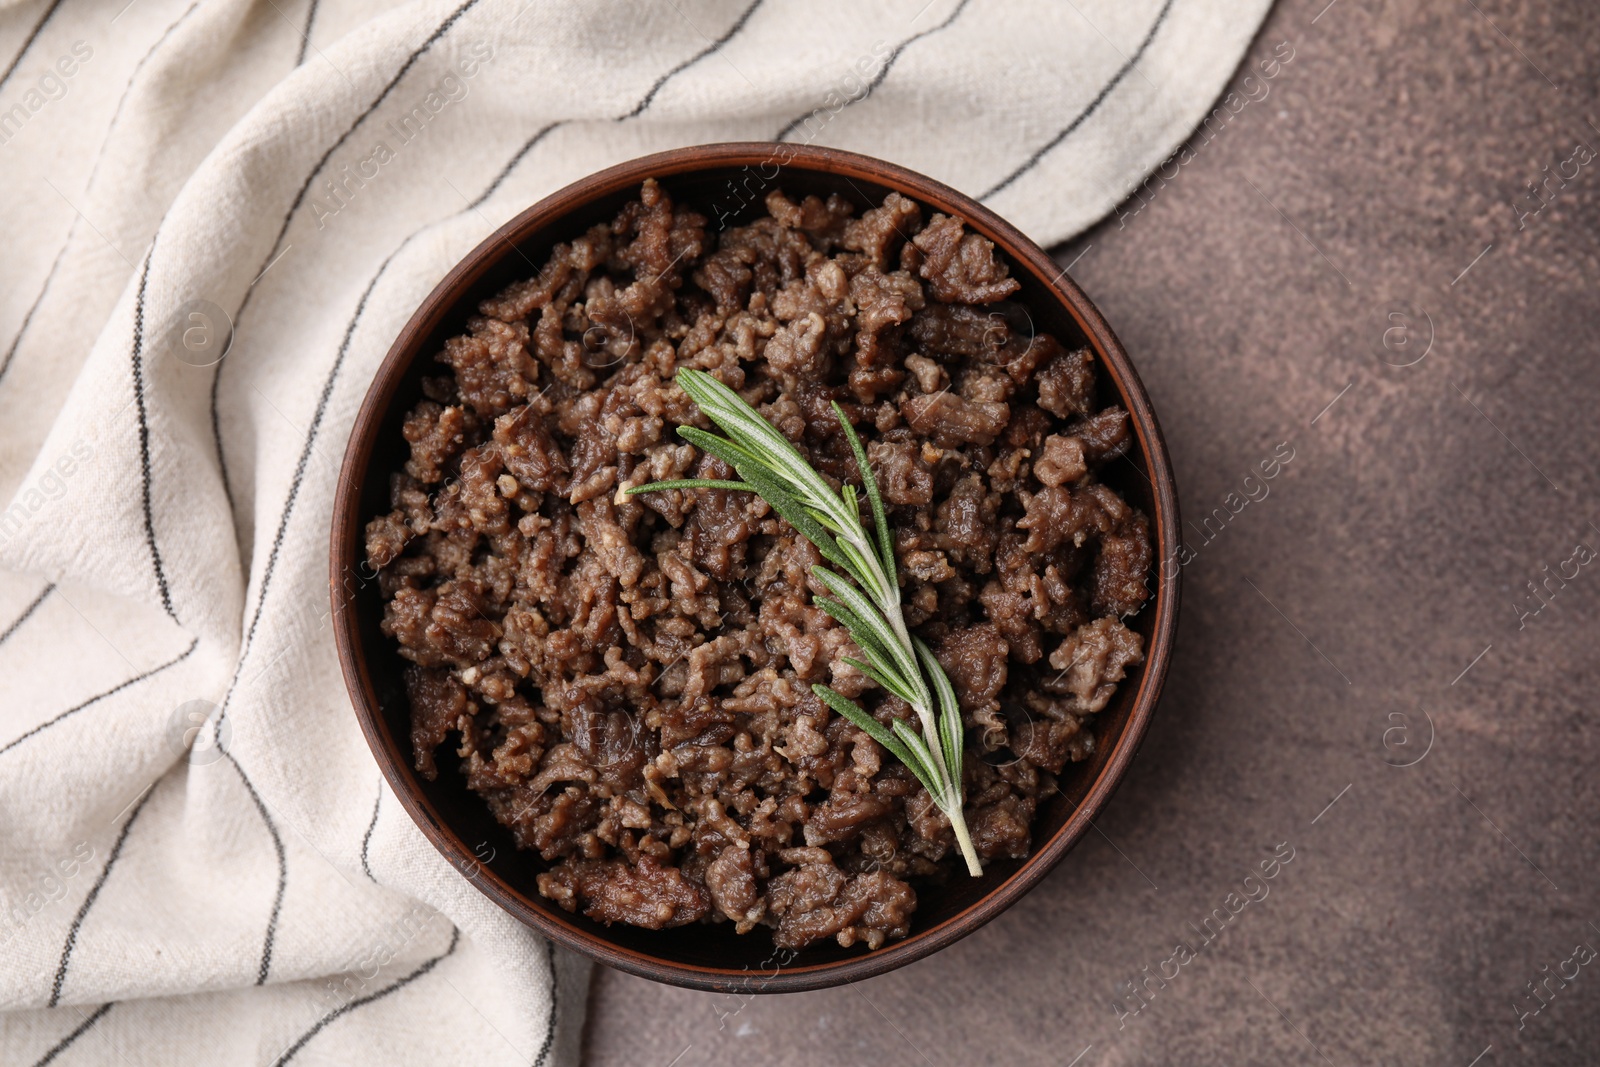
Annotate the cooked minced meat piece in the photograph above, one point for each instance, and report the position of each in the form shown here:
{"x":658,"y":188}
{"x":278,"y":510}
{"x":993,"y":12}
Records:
{"x":629,"y":677}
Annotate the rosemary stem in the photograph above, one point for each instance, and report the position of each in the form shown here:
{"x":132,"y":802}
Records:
{"x":958,"y":823}
{"x":950,"y":802}
{"x":887,"y":597}
{"x":950,"y":777}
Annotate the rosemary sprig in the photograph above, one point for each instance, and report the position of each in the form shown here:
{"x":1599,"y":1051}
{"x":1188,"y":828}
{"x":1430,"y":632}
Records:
{"x":866,"y":603}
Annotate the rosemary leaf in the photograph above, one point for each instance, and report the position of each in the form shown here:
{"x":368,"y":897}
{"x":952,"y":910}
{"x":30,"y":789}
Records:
{"x":746,"y":426}
{"x":888,"y":680}
{"x":775,"y":493}
{"x":693,"y":483}
{"x":857,"y":602}
{"x":880,"y":524}
{"x":923,"y":765}
{"x":854,"y":623}
{"x":951,"y":734}
{"x":730,"y":452}
{"x":858,"y":716}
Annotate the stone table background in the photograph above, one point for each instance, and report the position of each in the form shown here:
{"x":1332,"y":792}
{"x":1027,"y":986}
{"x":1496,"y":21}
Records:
{"x":1380,"y":586}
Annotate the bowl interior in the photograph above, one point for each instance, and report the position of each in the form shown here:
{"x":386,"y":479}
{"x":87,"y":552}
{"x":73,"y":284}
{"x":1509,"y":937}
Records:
{"x":458,"y":821}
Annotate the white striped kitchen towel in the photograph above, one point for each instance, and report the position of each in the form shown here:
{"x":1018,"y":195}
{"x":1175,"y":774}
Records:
{"x":199,"y":862}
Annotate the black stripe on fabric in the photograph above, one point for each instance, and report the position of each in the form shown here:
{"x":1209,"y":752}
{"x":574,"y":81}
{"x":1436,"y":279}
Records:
{"x":32,"y":36}
{"x":884,"y":73}
{"x":216,"y":379}
{"x":305,"y":186}
{"x":61,"y":1046}
{"x":144,"y":434}
{"x":697,"y":57}
{"x":643,"y":105}
{"x":322,"y":406}
{"x":283,"y":871}
{"x":216,"y":437}
{"x":27,"y":319}
{"x":271,"y":566}
{"x":126,"y":89}
{"x":511,"y":166}
{"x":26,"y":612}
{"x":299,"y":478}
{"x":550,"y":1023}
{"x":96,"y":699}
{"x":305,"y":35}
{"x":1067,"y":131}
{"x":261,"y":599}
{"x":366,"y":839}
{"x":94,"y":894}
{"x":361,"y":1002}
{"x":138,"y":394}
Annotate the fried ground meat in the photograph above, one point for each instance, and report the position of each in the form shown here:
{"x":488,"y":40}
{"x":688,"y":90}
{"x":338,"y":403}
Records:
{"x":627,"y":678}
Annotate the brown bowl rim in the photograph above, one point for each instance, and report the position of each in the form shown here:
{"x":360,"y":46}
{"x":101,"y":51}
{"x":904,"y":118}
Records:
{"x":347,"y":525}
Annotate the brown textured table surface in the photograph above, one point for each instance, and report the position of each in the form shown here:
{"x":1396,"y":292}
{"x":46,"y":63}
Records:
{"x":1375,"y":598}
